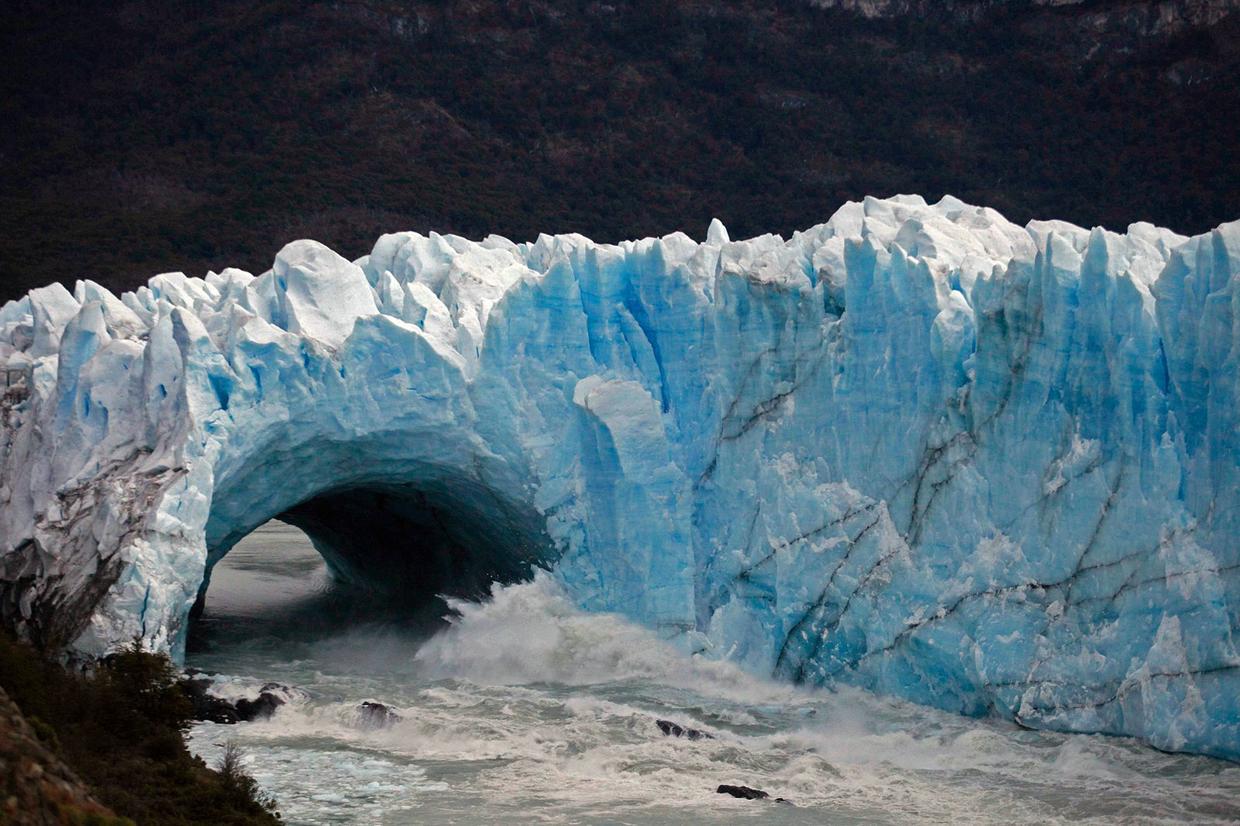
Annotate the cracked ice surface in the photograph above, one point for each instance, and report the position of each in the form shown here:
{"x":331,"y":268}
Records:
{"x":917,"y":448}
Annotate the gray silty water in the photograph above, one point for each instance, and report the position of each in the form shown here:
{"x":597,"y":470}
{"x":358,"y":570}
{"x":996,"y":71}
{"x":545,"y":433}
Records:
{"x":524,"y":709}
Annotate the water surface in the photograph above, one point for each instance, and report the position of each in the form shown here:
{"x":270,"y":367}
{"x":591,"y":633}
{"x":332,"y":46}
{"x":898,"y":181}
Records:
{"x":525,"y":710}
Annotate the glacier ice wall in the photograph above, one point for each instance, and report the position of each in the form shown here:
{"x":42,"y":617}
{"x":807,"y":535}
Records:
{"x":917,"y":448}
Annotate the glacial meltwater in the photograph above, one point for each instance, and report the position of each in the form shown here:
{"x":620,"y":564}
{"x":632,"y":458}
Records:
{"x":524,"y":710}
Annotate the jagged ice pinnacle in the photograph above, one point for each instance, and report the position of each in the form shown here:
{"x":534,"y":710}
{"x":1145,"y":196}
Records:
{"x":917,"y":448}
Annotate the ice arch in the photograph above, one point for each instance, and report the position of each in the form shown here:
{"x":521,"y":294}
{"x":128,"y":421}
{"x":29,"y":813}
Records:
{"x":916,"y":448}
{"x":406,"y":529}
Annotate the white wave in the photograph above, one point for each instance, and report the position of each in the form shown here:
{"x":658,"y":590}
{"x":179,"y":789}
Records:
{"x":530,"y":633}
{"x":526,"y":709}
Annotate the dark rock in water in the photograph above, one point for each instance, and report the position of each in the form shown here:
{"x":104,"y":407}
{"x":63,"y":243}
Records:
{"x":259,"y":709}
{"x":746,"y":793}
{"x":377,"y":715}
{"x":671,"y":729}
{"x":208,"y":706}
{"x":743,"y":792}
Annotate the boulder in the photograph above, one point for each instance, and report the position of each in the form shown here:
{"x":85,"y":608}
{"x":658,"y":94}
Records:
{"x":206,"y":705}
{"x":216,"y":709}
{"x":671,"y":729}
{"x":372,"y":715}
{"x":259,"y":709}
{"x":743,"y":792}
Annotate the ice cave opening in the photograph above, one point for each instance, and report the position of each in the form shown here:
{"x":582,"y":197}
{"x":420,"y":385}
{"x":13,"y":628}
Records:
{"x":400,"y":534}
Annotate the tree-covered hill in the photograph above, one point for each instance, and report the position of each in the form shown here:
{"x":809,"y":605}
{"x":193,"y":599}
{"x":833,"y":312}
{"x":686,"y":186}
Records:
{"x":146,"y":136}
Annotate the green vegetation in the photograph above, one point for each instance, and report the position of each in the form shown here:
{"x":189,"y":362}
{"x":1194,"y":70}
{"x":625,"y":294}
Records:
{"x":120,"y":728}
{"x":146,"y":136}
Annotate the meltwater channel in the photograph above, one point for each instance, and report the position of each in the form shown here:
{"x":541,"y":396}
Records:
{"x":522,"y":709}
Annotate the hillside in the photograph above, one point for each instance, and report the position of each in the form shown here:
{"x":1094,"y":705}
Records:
{"x":107,"y":748}
{"x":1135,"y":16}
{"x":142,"y":137}
{"x":38,"y":787}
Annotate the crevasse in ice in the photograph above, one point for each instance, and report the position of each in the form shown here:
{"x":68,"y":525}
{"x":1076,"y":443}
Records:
{"x":917,"y":448}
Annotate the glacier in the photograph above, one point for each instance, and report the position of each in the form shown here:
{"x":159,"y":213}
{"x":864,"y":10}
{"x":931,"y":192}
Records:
{"x":918,"y":449}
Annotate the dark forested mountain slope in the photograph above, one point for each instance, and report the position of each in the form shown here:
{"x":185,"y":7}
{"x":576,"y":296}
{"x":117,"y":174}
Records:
{"x":145,"y":136}
{"x":1132,"y":16}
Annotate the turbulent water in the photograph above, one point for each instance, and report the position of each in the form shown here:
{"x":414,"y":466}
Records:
{"x":522,"y":709}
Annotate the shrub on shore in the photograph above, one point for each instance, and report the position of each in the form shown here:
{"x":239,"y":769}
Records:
{"x":120,"y":726}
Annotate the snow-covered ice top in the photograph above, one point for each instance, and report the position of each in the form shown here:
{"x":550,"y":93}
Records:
{"x":917,"y":448}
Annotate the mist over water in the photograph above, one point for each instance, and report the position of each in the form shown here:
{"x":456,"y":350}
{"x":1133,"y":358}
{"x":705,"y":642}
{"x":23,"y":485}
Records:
{"x":523,"y":709}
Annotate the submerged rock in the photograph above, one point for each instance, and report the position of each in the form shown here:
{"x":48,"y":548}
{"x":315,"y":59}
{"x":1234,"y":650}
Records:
{"x":216,"y":709}
{"x":671,"y":729}
{"x":259,"y":709}
{"x":747,"y":793}
{"x":372,"y":715}
{"x":206,"y":705}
